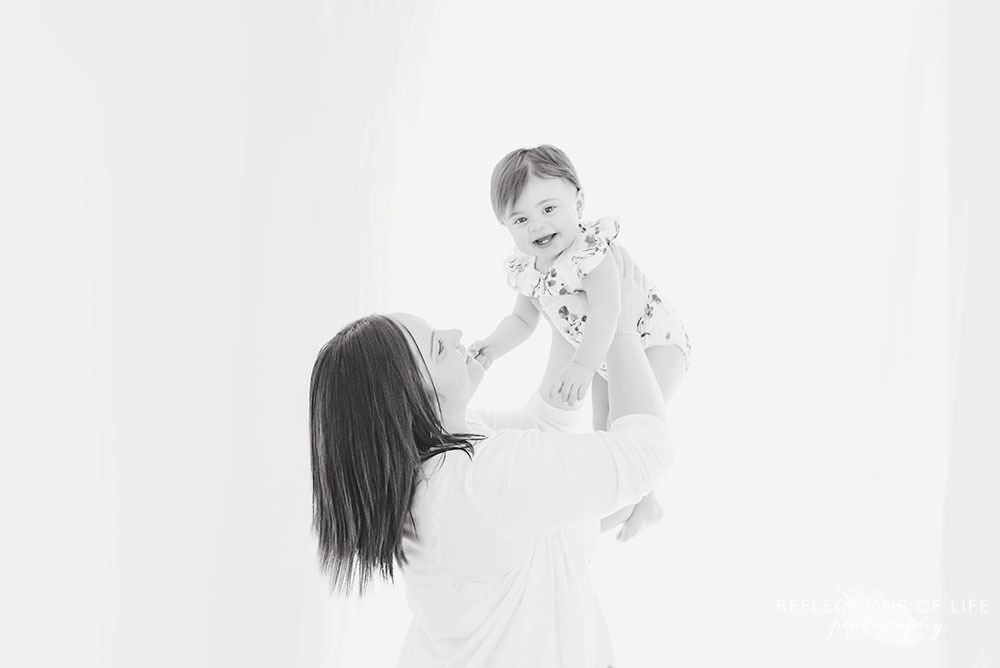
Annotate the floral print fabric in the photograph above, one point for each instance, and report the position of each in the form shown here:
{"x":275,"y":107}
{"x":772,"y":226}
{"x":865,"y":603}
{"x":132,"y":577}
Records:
{"x":559,"y":292}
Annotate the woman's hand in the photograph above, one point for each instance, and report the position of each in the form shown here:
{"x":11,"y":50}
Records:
{"x":634,"y":290}
{"x":572,"y":383}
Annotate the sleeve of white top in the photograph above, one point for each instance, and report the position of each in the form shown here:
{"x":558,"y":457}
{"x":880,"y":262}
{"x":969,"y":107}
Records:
{"x":533,"y":483}
{"x":536,"y":414}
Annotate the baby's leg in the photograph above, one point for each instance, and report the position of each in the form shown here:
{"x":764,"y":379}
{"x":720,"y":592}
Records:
{"x":668,"y":366}
{"x":600,"y":405}
{"x":560,"y":354}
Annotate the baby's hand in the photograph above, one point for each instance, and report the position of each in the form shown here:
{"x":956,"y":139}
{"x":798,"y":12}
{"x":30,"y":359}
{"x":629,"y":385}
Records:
{"x":481,"y":350}
{"x":572,"y":383}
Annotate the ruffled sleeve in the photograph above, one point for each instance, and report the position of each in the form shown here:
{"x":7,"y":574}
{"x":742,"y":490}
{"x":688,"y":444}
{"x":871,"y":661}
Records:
{"x":522,"y":275}
{"x":596,"y":238}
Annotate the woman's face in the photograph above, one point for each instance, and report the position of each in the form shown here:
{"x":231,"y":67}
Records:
{"x":454,"y":373}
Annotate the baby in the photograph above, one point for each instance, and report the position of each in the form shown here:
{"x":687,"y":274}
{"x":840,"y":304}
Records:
{"x":558,"y":269}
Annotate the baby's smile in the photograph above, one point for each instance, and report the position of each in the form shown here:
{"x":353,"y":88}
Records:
{"x":542,"y":242}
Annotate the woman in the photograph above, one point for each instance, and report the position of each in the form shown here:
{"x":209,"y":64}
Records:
{"x":491,"y":521}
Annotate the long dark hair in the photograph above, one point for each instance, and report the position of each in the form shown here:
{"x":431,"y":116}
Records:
{"x":373,"y":422}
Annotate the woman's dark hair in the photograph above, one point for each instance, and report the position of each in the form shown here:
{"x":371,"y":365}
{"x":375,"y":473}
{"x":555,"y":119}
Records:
{"x":373,"y":422}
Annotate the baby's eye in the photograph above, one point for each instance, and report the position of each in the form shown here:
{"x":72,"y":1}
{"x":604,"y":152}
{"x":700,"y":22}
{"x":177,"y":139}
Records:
{"x":519,"y":220}
{"x":550,"y":208}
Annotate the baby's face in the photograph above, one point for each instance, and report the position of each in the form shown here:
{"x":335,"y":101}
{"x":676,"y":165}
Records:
{"x":544,"y":220}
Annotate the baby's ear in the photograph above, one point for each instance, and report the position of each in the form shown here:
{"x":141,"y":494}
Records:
{"x":579,"y":202}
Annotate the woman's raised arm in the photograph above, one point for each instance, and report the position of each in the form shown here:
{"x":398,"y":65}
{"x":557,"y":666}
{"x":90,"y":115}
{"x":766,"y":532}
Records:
{"x":632,"y":387}
{"x":529,"y":483}
{"x":532,"y":483}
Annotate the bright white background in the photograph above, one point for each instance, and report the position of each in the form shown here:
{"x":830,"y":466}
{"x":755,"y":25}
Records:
{"x":195,"y":197}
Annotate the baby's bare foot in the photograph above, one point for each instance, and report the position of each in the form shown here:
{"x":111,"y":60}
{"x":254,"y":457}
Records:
{"x":645,"y":513}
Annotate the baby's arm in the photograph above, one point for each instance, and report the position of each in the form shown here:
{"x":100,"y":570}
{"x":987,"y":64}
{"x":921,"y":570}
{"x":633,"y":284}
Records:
{"x":602,"y":286}
{"x":511,"y":332}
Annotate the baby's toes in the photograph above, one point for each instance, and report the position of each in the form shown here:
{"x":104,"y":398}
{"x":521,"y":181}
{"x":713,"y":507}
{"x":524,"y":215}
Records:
{"x":630,"y":528}
{"x":654,"y":512}
{"x":631,"y":531}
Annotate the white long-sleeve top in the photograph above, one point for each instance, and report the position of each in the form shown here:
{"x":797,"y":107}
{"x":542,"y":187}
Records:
{"x":498,"y":570}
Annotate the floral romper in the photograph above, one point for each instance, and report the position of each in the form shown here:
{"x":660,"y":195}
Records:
{"x":560,"y":295}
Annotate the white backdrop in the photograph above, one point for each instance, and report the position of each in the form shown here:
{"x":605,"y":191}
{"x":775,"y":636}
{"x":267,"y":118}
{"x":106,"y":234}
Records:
{"x":196,"y":197}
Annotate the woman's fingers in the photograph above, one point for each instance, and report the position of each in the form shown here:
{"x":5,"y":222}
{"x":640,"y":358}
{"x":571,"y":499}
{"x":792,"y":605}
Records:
{"x":576,"y":393}
{"x":561,"y":389}
{"x":572,"y":393}
{"x":635,"y":274}
{"x":631,"y":275}
{"x":625,"y":262}
{"x":567,"y":391}
{"x":633,"y":290}
{"x":616,"y":253}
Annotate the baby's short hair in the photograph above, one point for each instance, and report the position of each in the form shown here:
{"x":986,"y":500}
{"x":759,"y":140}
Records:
{"x":511,"y":173}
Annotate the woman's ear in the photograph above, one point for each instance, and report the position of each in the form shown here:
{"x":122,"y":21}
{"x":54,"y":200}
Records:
{"x":579,"y":202}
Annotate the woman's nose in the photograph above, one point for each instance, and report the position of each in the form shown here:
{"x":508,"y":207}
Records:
{"x":454,"y":336}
